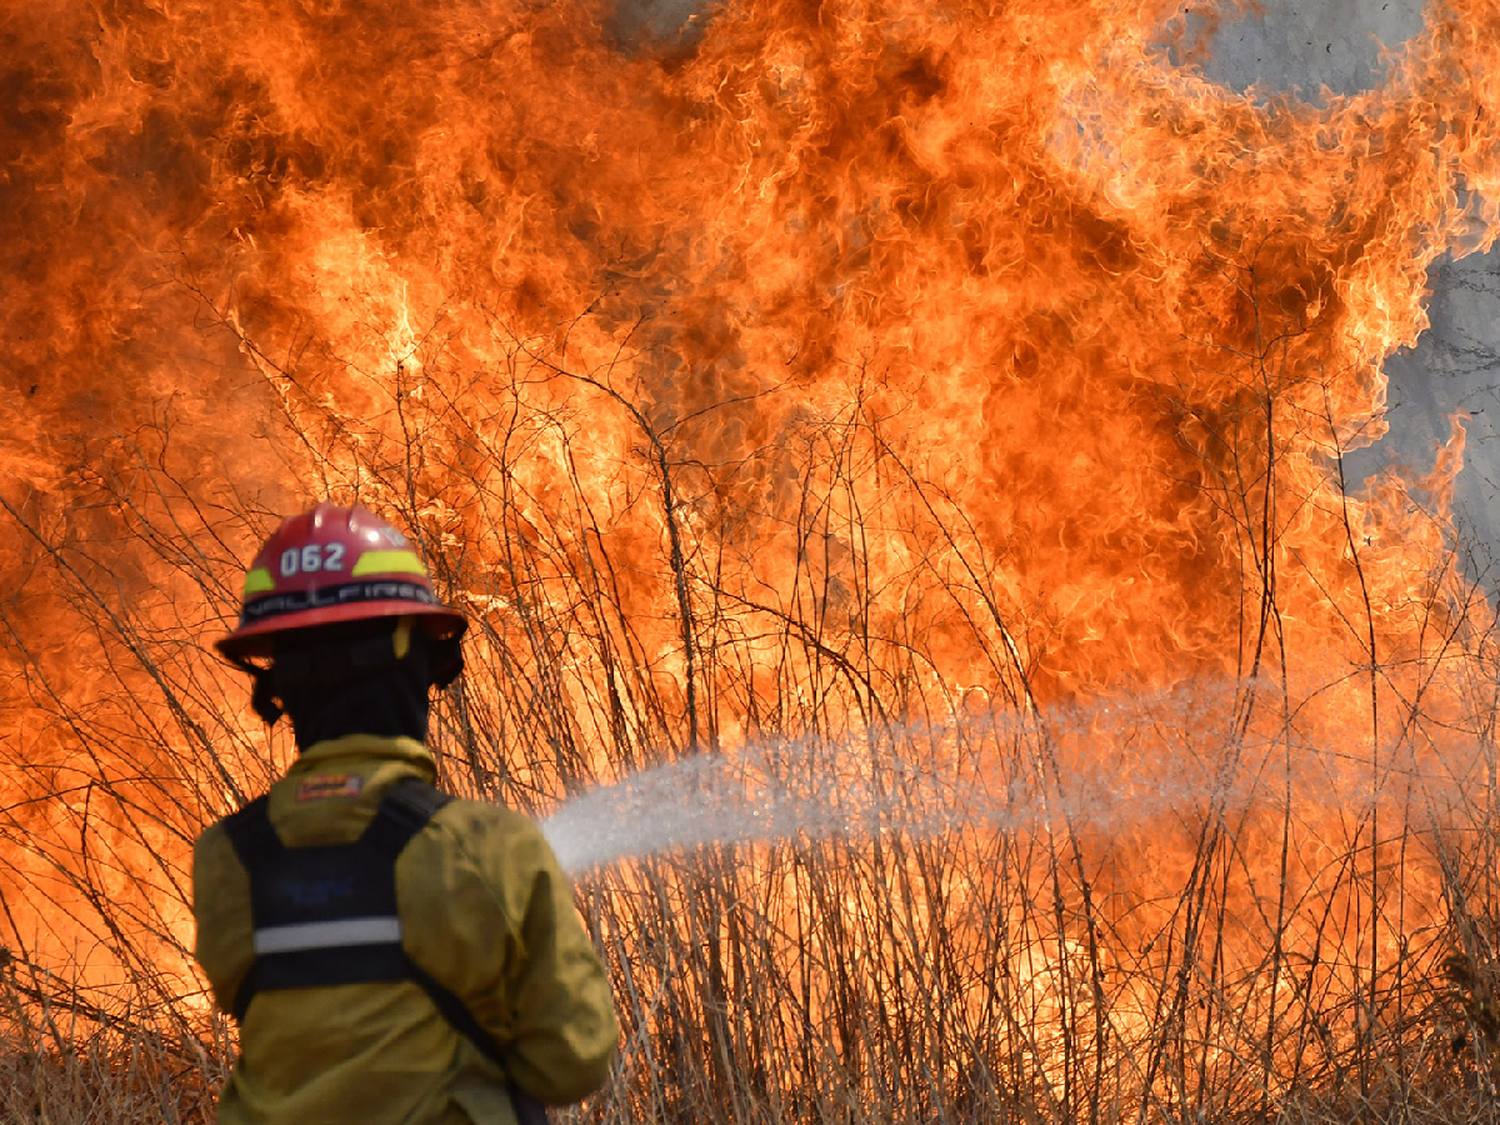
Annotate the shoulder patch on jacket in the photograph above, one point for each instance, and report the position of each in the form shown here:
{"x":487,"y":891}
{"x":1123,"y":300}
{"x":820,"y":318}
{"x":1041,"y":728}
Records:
{"x":321,"y":786}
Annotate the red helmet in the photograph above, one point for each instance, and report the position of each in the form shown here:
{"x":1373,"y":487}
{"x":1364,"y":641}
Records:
{"x":334,"y":564}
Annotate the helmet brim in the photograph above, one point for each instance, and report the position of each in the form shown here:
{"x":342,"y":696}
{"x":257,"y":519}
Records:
{"x":258,"y":639}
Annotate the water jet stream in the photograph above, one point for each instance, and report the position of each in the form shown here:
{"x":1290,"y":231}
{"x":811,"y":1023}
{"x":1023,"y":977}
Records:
{"x":1108,"y":769}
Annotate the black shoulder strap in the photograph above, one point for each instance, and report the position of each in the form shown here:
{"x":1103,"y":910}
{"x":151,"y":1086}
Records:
{"x":256,"y":844}
{"x":406,"y":808}
{"x":404,"y":811}
{"x":411,"y":803}
{"x":250,"y":832}
{"x":529,"y":1111}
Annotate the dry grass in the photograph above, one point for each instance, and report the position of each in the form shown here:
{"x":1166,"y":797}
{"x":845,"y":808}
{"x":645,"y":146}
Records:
{"x":65,"y":1058}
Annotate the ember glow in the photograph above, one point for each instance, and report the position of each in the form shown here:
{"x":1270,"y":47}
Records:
{"x":849,"y":368}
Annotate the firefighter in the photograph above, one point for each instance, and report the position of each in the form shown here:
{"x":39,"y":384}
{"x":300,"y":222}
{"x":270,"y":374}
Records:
{"x":391,"y":954}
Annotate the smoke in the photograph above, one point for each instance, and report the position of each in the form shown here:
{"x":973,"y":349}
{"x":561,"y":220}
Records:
{"x":658,"y":24}
{"x":1317,"y":49}
{"x":1311,"y":46}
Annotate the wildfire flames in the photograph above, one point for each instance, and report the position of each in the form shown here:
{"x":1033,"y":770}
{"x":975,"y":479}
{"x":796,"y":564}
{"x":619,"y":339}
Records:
{"x":840,"y":365}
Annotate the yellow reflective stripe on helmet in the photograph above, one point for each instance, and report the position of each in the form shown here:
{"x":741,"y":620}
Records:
{"x":259,"y":581}
{"x":388,"y":562}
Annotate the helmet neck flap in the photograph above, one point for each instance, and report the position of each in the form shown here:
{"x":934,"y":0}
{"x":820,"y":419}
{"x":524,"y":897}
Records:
{"x":366,"y":677}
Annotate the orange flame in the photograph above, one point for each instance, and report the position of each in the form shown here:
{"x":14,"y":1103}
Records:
{"x":858,"y":360}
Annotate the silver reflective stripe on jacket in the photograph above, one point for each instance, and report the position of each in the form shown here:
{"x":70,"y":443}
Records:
{"x":327,"y":935}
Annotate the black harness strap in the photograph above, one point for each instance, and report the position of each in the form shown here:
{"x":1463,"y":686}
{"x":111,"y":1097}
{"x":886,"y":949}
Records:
{"x":304,"y":900}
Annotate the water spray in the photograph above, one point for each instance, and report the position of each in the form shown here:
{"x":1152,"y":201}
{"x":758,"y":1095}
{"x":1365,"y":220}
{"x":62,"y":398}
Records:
{"x":1111,"y":768}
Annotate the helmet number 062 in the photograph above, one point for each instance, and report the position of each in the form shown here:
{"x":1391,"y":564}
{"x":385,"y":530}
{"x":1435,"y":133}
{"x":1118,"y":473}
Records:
{"x":312,"y":559}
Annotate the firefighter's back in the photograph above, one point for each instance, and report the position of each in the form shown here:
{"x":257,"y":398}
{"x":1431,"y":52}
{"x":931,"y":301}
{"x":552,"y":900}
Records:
{"x":485,"y":917}
{"x":351,"y":1053}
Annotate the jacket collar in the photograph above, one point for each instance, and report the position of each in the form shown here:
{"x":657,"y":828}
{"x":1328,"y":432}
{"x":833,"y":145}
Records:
{"x":370,"y":749}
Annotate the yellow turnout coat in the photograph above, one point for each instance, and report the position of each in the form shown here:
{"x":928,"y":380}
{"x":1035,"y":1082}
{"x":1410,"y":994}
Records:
{"x":485,"y":910}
